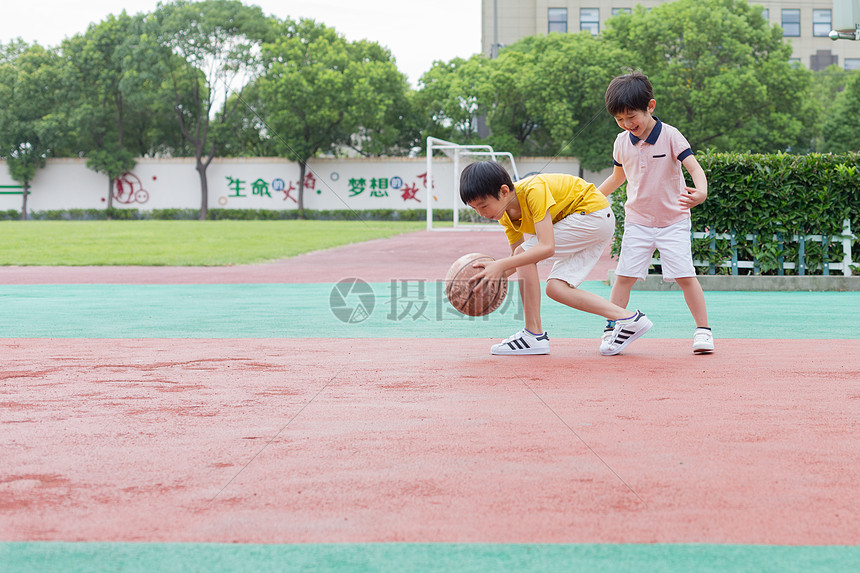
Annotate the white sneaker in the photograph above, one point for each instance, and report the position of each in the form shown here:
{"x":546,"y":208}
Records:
{"x":626,"y":331}
{"x":523,"y":342}
{"x":607,"y":333}
{"x":703,"y":341}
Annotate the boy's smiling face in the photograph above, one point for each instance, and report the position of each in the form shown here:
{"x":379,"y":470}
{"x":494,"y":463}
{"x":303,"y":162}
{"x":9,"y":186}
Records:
{"x":491,"y":207}
{"x":636,"y":121}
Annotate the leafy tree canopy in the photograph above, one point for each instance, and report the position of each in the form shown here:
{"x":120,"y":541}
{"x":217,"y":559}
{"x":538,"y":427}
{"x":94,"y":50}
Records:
{"x":322,"y":93}
{"x":721,"y":73}
{"x":840,"y":131}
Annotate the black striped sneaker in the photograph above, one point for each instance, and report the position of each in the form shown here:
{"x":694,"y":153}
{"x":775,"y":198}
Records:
{"x":626,"y":331}
{"x":523,"y":342}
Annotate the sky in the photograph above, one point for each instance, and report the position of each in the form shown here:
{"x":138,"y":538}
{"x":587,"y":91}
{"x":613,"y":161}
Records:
{"x":417,"y":32}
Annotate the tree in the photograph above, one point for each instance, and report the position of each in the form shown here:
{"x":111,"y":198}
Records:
{"x":96,"y":102}
{"x":149,"y":86}
{"x":720,"y":72}
{"x":27,"y":76}
{"x":245,"y":135}
{"x":548,"y":96}
{"x":391,"y":125}
{"x":216,"y":49}
{"x":543,"y":95}
{"x":321,"y":93}
{"x":449,"y":97}
{"x":840,"y":127}
{"x":825,"y":87}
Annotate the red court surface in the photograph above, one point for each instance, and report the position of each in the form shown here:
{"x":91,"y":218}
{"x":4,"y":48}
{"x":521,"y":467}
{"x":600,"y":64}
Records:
{"x":317,"y":440}
{"x":421,"y":440}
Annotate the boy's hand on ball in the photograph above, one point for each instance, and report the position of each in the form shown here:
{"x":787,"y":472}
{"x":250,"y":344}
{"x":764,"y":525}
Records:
{"x":492,"y":272}
{"x":469,"y":286}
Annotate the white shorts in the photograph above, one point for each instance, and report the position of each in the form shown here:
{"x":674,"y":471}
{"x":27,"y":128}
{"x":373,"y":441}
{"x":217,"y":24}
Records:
{"x":673,"y":242}
{"x":580,"y":240}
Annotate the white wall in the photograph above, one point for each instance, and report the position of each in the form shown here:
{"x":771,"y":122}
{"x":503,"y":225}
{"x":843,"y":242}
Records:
{"x":257,"y":183}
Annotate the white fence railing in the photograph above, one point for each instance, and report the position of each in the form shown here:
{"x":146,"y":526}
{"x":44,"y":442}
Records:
{"x":844,"y":265}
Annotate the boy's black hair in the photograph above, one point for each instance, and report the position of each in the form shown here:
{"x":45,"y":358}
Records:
{"x":483,"y":179}
{"x":630,"y":92}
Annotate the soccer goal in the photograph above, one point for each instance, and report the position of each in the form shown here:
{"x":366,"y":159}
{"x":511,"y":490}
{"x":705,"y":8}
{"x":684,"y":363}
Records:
{"x":443,"y":181}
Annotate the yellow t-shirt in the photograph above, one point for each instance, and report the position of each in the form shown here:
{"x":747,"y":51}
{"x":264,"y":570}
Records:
{"x":561,"y":193}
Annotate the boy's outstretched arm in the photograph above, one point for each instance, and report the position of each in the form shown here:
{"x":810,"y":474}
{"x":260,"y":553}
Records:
{"x":613,"y":182}
{"x":695,"y":195}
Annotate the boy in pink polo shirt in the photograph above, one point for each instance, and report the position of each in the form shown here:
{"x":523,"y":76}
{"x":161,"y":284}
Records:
{"x":649,"y":155}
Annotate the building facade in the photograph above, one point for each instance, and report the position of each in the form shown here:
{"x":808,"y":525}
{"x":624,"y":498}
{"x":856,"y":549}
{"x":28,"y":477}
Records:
{"x":806,"y":25}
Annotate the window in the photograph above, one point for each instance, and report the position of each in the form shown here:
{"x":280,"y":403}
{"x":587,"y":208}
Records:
{"x":766,"y":14}
{"x":822,"y":21}
{"x":852,"y":64}
{"x":617,"y":11}
{"x":821,"y":59}
{"x":589,"y":20}
{"x":557,"y":20}
{"x":791,"y":23}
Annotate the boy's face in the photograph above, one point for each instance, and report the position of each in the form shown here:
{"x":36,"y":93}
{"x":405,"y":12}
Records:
{"x":491,"y":207}
{"x":636,"y":121}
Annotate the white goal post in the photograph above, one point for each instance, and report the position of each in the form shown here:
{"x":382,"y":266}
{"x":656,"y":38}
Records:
{"x":458,"y":153}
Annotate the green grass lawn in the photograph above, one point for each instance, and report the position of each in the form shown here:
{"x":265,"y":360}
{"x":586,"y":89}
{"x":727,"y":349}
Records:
{"x":179,"y":243}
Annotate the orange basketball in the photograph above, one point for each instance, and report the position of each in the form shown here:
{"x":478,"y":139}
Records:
{"x":459,"y":291}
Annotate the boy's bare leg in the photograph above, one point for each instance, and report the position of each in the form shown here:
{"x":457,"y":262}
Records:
{"x":562,"y":292}
{"x":530,"y":292}
{"x":695,"y":299}
{"x":620,"y":294}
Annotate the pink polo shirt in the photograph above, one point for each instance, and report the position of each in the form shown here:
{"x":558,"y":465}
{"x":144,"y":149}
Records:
{"x":654,"y":174}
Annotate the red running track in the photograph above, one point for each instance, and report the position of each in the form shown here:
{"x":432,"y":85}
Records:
{"x":316,"y":440}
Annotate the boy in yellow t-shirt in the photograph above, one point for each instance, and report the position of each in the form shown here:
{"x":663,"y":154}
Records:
{"x":557,"y":217}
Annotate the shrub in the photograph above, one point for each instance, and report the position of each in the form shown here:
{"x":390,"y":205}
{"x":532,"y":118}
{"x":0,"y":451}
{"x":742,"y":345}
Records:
{"x":772,"y":195}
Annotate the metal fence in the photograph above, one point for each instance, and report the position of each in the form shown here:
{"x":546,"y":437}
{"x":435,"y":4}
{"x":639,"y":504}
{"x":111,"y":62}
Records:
{"x":827,"y":267}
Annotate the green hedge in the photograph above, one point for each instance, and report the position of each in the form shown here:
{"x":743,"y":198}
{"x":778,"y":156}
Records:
{"x":766,"y":195}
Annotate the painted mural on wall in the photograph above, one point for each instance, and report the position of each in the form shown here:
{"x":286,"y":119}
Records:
{"x":255,"y":183}
{"x":128,"y":190}
{"x":287,"y":190}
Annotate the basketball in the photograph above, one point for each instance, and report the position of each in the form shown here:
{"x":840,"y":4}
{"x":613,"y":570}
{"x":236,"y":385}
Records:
{"x":459,"y":291}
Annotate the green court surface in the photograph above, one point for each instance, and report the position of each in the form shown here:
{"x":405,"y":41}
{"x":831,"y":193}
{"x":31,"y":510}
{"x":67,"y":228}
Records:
{"x":416,"y":309}
{"x":421,"y":557}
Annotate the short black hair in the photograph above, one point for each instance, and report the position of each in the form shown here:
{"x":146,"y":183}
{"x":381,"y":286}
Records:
{"x":630,"y":92}
{"x":483,"y":179}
